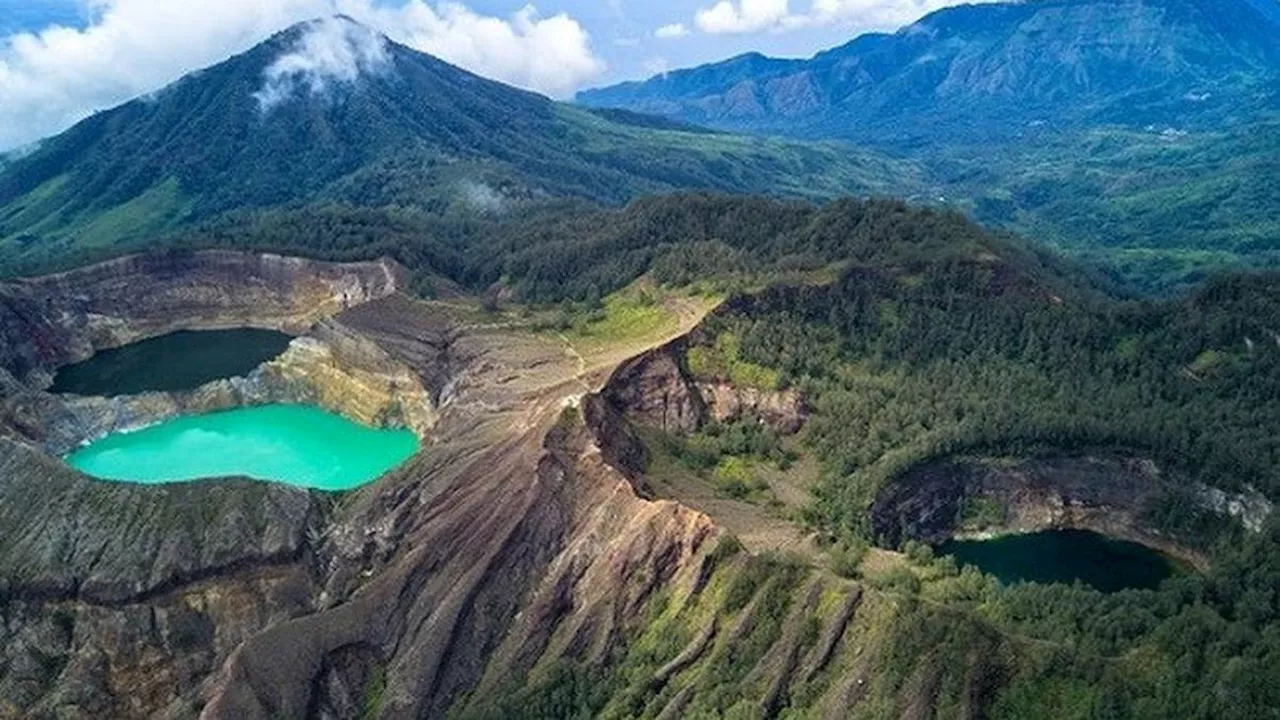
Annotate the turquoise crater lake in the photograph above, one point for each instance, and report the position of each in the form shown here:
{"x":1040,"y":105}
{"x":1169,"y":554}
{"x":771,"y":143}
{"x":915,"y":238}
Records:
{"x":295,"y":444}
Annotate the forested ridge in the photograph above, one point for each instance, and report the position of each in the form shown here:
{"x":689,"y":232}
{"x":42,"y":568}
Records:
{"x":907,"y":364}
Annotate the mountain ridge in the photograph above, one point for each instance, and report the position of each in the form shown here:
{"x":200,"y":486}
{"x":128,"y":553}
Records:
{"x":1137,"y":132}
{"x":989,"y":70}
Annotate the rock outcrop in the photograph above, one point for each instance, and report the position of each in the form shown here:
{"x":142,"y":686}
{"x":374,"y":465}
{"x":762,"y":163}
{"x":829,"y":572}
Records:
{"x":657,"y":391}
{"x":782,"y":410}
{"x":116,"y":597}
{"x":70,"y":539}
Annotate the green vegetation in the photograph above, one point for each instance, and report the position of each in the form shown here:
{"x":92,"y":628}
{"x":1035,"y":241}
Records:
{"x":954,"y":347}
{"x":722,"y":361}
{"x":731,"y":456}
{"x":1162,"y":210}
{"x":374,"y":691}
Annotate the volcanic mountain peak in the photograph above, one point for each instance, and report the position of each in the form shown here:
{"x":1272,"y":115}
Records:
{"x":332,"y":111}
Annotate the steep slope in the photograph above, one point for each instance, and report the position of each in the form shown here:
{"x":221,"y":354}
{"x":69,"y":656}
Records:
{"x":992,"y":71}
{"x":331,"y":111}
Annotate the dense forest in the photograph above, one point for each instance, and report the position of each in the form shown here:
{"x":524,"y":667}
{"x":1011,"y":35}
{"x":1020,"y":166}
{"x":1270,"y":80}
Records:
{"x":908,"y":363}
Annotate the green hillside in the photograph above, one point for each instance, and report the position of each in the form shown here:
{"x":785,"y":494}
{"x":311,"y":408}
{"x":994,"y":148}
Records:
{"x":917,"y":337}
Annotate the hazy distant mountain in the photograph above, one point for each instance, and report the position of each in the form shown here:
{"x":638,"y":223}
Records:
{"x":1142,"y":130}
{"x":330,"y":110}
{"x":994,"y":70}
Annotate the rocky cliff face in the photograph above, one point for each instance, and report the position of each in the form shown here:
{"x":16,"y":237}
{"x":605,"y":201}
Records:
{"x":116,"y":599}
{"x":783,"y":410}
{"x":656,"y":390}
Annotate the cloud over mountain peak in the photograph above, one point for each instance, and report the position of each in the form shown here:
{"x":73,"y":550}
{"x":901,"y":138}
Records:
{"x":328,"y":51}
{"x":56,"y":76}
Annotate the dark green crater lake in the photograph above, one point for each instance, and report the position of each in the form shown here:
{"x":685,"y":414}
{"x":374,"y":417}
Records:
{"x":294,"y":444}
{"x":170,"y":363}
{"x":1065,"y":556}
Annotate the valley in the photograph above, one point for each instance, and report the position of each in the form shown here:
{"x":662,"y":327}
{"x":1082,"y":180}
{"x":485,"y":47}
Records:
{"x":1138,"y":133}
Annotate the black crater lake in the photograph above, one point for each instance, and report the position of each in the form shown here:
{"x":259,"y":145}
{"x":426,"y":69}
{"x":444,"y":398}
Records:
{"x":1065,"y":556}
{"x":169,"y":363}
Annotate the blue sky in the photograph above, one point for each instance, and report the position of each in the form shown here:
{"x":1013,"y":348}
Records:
{"x":35,"y":14}
{"x":623,"y":34}
{"x":622,"y":31}
{"x":62,"y":60}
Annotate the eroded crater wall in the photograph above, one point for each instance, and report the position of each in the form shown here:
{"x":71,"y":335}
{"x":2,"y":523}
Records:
{"x":54,"y":320}
{"x":1110,"y":494}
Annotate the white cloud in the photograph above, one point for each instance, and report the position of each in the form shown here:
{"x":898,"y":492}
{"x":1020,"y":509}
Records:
{"x":728,"y":17}
{"x":332,"y":50}
{"x":549,"y":54}
{"x":674,"y":30}
{"x":733,"y":17}
{"x":51,"y":79}
{"x":878,"y":14}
